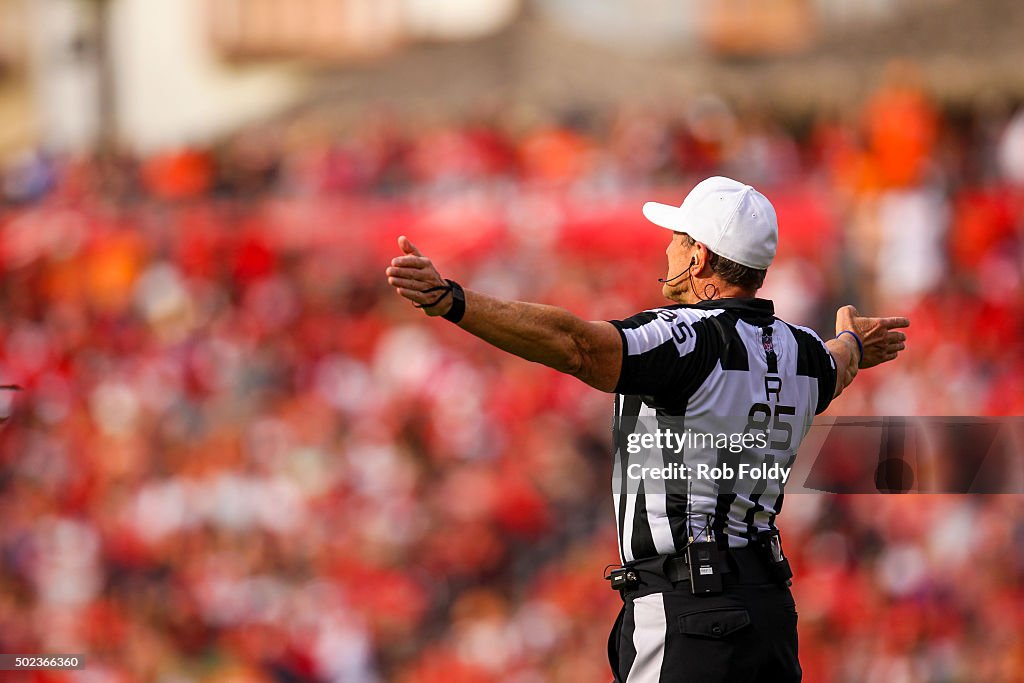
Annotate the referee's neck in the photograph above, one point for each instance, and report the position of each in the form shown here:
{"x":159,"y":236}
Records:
{"x":714,"y":290}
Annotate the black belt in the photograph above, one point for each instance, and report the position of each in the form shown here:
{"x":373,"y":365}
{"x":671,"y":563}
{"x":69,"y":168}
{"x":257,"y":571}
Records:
{"x":746,"y":565}
{"x":674,"y":567}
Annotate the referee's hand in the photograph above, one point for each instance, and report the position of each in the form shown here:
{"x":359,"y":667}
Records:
{"x":880,"y":336}
{"x":414,"y":277}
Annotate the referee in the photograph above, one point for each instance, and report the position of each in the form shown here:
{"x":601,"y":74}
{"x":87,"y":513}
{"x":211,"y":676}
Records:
{"x":712,"y":384}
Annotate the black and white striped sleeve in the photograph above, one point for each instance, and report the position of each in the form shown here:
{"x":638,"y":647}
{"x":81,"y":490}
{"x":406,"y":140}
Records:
{"x":664,"y":351}
{"x":814,"y":360}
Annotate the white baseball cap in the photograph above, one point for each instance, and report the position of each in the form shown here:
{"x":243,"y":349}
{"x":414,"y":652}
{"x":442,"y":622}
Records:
{"x":733,"y":220}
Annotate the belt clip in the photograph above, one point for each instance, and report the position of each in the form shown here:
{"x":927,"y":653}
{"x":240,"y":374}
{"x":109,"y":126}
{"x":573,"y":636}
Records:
{"x":623,"y":578}
{"x":770,"y":543}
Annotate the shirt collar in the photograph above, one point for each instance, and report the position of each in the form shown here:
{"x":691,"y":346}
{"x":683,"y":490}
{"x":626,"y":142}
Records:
{"x":743,"y":307}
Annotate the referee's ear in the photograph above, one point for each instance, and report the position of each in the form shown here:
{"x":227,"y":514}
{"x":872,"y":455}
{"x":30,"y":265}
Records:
{"x":700,"y":259}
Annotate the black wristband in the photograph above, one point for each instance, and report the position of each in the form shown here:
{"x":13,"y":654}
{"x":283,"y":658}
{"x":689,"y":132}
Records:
{"x":458,"y":308}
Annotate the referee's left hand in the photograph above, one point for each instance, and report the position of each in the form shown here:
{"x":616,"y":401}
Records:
{"x":413,"y":274}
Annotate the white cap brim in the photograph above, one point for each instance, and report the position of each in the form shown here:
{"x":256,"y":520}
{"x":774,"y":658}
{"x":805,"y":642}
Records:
{"x":673,"y":218}
{"x":664,"y":215}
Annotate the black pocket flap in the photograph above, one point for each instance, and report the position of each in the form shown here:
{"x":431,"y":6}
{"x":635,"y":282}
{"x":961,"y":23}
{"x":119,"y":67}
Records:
{"x":716,"y":623}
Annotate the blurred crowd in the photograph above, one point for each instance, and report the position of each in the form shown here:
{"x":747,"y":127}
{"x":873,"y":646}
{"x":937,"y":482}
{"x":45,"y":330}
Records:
{"x":237,"y":456}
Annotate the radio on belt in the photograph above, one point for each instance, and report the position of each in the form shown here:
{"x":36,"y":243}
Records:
{"x":623,"y":578}
{"x":704,"y":560}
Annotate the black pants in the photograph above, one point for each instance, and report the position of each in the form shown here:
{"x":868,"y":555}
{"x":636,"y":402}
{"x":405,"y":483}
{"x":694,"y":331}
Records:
{"x":746,"y":634}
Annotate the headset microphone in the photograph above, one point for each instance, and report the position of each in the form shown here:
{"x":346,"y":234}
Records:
{"x":663,"y":281}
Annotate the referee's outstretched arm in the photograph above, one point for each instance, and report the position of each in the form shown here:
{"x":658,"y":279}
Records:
{"x":552,"y":336}
{"x":592,"y":351}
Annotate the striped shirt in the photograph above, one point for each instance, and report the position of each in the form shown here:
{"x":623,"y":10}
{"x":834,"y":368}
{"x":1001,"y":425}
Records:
{"x":723,"y":369}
